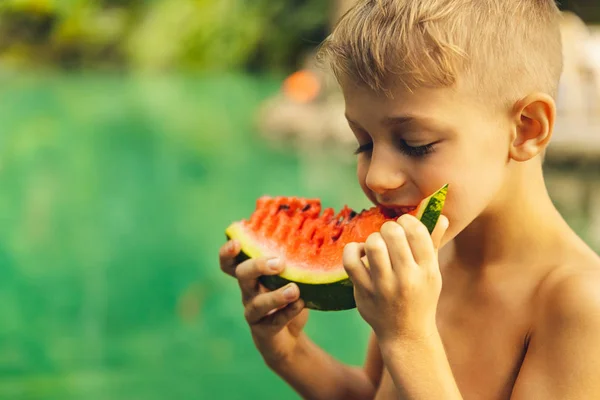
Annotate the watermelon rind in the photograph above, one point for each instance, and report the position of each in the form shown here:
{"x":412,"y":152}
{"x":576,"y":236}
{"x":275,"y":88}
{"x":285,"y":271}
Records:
{"x":336,"y":295}
{"x":430,"y":208}
{"x":326,"y":297}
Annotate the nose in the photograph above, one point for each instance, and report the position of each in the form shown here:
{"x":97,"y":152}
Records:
{"x":383,"y":173}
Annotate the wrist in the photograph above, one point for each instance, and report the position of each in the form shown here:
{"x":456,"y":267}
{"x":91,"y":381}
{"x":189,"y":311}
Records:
{"x":423,"y":334}
{"x":415,"y":341}
{"x":419,"y":367}
{"x":283,"y":361}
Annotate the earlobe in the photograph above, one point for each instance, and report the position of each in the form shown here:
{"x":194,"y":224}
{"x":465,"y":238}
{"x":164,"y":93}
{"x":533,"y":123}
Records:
{"x":534,"y":116}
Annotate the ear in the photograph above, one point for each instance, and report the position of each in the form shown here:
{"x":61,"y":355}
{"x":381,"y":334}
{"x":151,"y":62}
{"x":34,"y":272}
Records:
{"x":534,"y":118}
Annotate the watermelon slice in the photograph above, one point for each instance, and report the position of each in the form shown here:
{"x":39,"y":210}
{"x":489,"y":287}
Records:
{"x":311,"y":241}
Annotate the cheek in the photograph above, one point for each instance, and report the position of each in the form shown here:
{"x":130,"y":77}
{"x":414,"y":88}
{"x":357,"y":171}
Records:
{"x":475,"y":176}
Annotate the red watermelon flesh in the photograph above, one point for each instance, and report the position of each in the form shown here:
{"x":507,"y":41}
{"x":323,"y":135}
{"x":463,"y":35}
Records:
{"x":309,"y":239}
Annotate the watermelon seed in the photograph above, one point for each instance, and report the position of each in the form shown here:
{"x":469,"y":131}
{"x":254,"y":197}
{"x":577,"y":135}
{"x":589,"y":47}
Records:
{"x":301,"y":224}
{"x":306,"y":208}
{"x":337,"y":235}
{"x":283,"y":207}
{"x":320,"y":242}
{"x":312,"y":234}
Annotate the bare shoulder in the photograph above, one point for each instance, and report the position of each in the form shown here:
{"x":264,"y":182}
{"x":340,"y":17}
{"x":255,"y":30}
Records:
{"x":563,"y":352}
{"x":571,"y":290}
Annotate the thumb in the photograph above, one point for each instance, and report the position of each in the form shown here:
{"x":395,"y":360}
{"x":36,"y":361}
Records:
{"x":438,"y":232}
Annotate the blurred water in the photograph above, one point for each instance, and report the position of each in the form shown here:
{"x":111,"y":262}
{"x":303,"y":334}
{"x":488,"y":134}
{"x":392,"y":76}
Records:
{"x":114,"y":194}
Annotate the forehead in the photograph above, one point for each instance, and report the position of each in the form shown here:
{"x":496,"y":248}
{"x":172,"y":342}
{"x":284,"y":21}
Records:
{"x":444,"y":107}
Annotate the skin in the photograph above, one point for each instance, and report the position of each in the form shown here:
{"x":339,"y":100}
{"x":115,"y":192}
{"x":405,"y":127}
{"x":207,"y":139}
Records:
{"x":501,"y":302}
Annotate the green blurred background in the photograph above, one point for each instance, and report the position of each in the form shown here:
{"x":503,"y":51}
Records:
{"x":129,"y":141}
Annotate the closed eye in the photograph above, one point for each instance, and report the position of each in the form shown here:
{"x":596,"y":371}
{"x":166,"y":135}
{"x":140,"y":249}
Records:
{"x":411,"y":151}
{"x":417,"y":151}
{"x":364,"y":148}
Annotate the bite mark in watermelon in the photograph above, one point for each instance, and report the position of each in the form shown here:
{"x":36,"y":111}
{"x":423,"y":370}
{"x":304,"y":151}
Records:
{"x":311,"y":242}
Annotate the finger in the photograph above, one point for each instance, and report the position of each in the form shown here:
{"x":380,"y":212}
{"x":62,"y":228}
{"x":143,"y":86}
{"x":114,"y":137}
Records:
{"x":227,"y":254}
{"x":418,"y":239}
{"x":276,"y":321}
{"x":440,"y":229}
{"x":356,"y":270}
{"x":399,"y":250}
{"x":264,"y":304}
{"x":377,"y":253}
{"x":249,"y":271}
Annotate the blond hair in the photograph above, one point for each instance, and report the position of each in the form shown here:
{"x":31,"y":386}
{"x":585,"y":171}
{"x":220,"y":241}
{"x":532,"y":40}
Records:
{"x":498,"y":48}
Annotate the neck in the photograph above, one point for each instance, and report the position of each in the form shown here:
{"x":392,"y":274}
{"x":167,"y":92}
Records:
{"x":514,"y":228}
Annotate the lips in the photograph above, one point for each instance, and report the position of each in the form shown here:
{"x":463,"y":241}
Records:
{"x":396,"y":211}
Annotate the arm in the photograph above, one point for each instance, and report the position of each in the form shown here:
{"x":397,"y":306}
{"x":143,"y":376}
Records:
{"x":563,"y":358}
{"x":276,"y":322}
{"x":398,"y":295}
{"x":314,"y":374}
{"x":420,"y":368}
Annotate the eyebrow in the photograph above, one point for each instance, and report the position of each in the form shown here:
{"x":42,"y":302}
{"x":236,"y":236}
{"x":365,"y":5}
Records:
{"x":401,"y":120}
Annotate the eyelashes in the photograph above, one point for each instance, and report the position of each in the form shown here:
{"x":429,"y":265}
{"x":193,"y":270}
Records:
{"x":411,"y":151}
{"x":364,"y":148}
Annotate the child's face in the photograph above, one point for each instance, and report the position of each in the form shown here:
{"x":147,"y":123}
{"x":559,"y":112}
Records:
{"x":416,"y":142}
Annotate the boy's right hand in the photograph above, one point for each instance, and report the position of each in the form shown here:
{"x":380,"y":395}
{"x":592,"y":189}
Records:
{"x":276,"y":318}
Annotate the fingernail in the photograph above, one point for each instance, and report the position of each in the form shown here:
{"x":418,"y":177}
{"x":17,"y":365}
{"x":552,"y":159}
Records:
{"x":232,"y":245}
{"x":289,"y":292}
{"x":273,"y":264}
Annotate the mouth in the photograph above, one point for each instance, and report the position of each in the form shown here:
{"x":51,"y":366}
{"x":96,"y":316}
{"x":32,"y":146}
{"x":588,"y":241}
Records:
{"x":397,"y":211}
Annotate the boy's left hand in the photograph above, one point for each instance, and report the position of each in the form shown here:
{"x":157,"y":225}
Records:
{"x":399,"y":291}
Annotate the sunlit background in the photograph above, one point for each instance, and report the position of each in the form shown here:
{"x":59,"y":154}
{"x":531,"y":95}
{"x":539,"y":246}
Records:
{"x":132,"y":132}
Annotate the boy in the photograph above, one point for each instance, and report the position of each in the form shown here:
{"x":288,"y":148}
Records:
{"x":459,"y":92}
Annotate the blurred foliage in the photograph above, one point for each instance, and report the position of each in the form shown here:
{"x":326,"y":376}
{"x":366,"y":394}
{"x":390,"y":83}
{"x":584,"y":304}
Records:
{"x":172,"y":34}
{"x":160,"y":34}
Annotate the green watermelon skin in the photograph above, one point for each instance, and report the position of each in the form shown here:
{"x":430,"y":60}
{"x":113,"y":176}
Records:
{"x":430,"y":209}
{"x":336,"y":296}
